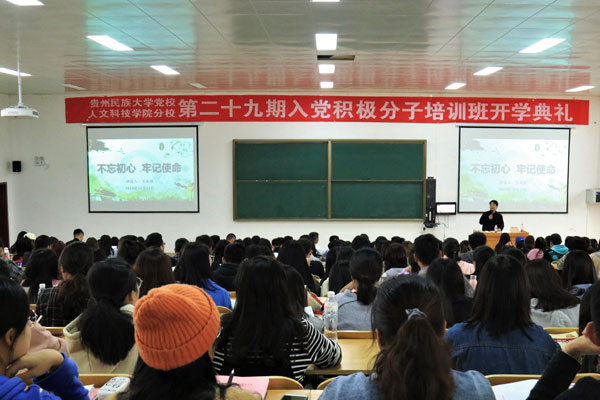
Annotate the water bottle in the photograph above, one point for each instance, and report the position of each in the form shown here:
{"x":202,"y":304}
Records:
{"x":6,"y":253}
{"x":330,"y":316}
{"x":522,"y":230}
{"x":42,"y":287}
{"x":496,"y":228}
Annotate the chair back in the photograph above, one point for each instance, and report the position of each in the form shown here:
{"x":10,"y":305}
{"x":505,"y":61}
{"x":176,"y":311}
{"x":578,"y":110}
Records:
{"x":325,"y":383}
{"x":223,"y":310}
{"x":283,"y":383}
{"x":355,"y":335}
{"x":560,"y":330}
{"x":232,"y":295}
{"x":98,"y":380}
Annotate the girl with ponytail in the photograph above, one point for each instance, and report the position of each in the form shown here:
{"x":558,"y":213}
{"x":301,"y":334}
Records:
{"x":354,"y":301}
{"x":62,"y":304}
{"x":414,"y":361}
{"x":101,"y":340}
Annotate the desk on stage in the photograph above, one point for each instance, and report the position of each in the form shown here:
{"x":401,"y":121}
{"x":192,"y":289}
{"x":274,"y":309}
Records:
{"x":494,"y":237}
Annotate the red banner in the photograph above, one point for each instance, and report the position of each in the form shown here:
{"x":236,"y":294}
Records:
{"x":273,"y":108}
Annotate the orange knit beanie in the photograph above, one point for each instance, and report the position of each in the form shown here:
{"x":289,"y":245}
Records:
{"x":175,"y":325}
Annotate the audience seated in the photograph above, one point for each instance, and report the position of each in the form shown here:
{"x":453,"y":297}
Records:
{"x":49,"y":369}
{"x":354,"y":302}
{"x":558,"y":375}
{"x":153,"y":267}
{"x":476,"y":239}
{"x":578,"y":272}
{"x":480,"y":256}
{"x":395,"y":262}
{"x":414,"y":361}
{"x":101,"y":340}
{"x":499,"y":337}
{"x":41,"y":267}
{"x":557,"y":249}
{"x":62,"y":304}
{"x":194,"y":269}
{"x":427,"y":249}
{"x":446,"y":274}
{"x":298,"y":299}
{"x":292,"y":253}
{"x":551,"y":304}
{"x":225,"y":275}
{"x":339,"y":275}
{"x":176,"y":326}
{"x":262,"y":336}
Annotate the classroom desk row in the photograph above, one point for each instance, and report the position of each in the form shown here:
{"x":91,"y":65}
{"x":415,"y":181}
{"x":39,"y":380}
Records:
{"x":278,"y":394}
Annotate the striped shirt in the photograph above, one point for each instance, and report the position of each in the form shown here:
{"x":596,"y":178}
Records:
{"x":312,"y":348}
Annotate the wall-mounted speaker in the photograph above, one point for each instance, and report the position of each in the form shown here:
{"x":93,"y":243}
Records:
{"x":16,"y":166}
{"x":430,"y":200}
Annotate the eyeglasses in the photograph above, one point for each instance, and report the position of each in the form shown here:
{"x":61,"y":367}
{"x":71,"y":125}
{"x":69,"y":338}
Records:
{"x":139,"y":282}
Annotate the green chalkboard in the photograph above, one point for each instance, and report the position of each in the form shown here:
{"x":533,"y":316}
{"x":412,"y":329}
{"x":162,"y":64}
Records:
{"x":281,"y":200}
{"x":377,"y":160}
{"x":377,"y":200}
{"x":329,"y":179}
{"x":281,"y":161}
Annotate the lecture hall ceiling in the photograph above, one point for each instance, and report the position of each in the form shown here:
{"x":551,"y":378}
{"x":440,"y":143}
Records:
{"x":401,"y":46}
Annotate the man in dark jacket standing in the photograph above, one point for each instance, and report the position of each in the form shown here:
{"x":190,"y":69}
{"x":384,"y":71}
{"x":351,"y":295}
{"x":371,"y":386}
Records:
{"x":491,"y":218}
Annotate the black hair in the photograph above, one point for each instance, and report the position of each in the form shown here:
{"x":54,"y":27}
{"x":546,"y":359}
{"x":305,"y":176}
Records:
{"x":504,"y":239}
{"x":515,"y":253}
{"x":22,"y":246}
{"x":395,"y":256}
{"x":450,"y":248}
{"x":76,"y":259}
{"x":494,"y":202}
{"x":215,"y":239}
{"x":193,"y":381}
{"x":360,"y":241}
{"x":463,"y":247}
{"x":477,"y":239}
{"x":366,"y":267}
{"x":230,"y":236}
{"x":292,"y":253}
{"x":194,"y":266}
{"x":92,"y":242}
{"x":179,"y":243}
{"x":501,"y":303}
{"x":77,"y":232}
{"x":546,"y":286}
{"x":129,"y":250}
{"x":480,"y":256}
{"x":306,"y":244}
{"x":254,"y":250}
{"x":99,"y":255}
{"x":595,"y":306}
{"x":255,"y":239}
{"x":397,"y":239}
{"x":414,"y":361}
{"x":262,"y":322}
{"x":153,"y":266}
{"x":529,"y":243}
{"x":114,"y":241}
{"x":4,"y":269}
{"x":448,"y":277}
{"x":205,"y":240}
{"x":234,"y":253}
{"x":154,"y":239}
{"x":42,"y":242}
{"x":540,"y":243}
{"x":313,"y":235}
{"x":296,"y":290}
{"x":265,"y":242}
{"x":578,"y":269}
{"x":105,"y":244}
{"x":427,"y":248}
{"x":555,"y":238}
{"x":42,"y":267}
{"x":105,"y":330}
{"x":339,"y":276}
{"x":219,"y":253}
{"x":14,"y":308}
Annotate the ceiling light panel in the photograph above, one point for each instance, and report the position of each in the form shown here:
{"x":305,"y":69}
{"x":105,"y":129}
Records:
{"x":455,"y":85}
{"x":326,"y":85}
{"x":580,"y":88}
{"x":26,"y":2}
{"x":12,"y":72}
{"x":109,"y":42}
{"x":165,"y":69}
{"x":68,"y":85}
{"x":542,"y":45}
{"x":198,"y":85}
{"x":326,"y":41}
{"x":326,"y":68}
{"x":487,"y":71}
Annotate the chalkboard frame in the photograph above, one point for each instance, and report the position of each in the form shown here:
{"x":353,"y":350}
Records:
{"x":330,"y":181}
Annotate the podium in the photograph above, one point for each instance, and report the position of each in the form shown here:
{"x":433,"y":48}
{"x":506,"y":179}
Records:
{"x":494,"y":237}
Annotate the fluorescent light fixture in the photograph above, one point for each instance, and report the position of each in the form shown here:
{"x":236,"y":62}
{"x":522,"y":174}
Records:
{"x":68,"y":85}
{"x":325,"y":1}
{"x":326,"y":68}
{"x":487,"y":71}
{"x":109,"y":42}
{"x":326,"y":85}
{"x":198,"y":85}
{"x":165,"y":69}
{"x":455,"y":85}
{"x":12,"y":72}
{"x":580,"y":88}
{"x":26,"y":2}
{"x":542,"y":45}
{"x":326,"y":41}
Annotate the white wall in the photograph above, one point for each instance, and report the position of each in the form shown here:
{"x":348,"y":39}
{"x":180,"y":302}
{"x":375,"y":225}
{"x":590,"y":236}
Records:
{"x":53,"y":199}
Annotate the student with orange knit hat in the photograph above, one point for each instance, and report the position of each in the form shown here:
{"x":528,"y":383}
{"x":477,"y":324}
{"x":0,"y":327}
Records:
{"x":175,"y":327}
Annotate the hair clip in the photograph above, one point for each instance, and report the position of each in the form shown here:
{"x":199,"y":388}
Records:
{"x":411,"y":312}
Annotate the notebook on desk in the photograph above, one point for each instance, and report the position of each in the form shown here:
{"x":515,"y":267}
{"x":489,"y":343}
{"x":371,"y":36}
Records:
{"x":254,"y":384}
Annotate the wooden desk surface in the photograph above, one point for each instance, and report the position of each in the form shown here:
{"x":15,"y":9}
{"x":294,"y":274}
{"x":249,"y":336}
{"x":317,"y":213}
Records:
{"x":358,"y":355}
{"x":278,"y":394}
{"x":494,"y":237}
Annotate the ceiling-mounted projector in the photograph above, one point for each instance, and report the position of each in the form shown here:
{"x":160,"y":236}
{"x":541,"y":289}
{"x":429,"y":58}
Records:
{"x":19,"y":111}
